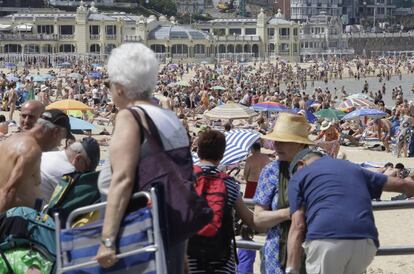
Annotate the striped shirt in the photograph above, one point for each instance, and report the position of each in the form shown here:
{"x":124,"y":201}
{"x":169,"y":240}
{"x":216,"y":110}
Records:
{"x":223,"y":266}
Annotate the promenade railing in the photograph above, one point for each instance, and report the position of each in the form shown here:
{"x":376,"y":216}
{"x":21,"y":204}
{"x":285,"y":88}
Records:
{"x":377,"y":206}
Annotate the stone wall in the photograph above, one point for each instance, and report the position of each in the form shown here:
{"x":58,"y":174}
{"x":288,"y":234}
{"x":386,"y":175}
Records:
{"x":379,"y":44}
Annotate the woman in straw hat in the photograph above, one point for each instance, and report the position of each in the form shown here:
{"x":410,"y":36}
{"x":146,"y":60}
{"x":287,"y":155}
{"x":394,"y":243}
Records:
{"x":328,"y":138}
{"x":271,"y":212}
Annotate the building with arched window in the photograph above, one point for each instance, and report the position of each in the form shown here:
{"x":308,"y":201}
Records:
{"x":88,"y":32}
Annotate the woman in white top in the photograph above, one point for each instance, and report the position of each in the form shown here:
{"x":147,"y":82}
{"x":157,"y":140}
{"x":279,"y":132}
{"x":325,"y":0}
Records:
{"x":133,"y":70}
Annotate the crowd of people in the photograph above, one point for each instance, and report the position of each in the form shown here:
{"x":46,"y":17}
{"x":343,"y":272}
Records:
{"x":299,"y":189}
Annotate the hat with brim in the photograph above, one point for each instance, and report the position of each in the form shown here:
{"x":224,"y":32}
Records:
{"x":325,"y":125}
{"x":58,"y":118}
{"x":290,"y":128}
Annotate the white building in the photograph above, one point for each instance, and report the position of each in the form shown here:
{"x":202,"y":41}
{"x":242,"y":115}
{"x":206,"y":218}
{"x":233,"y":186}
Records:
{"x":321,"y":36}
{"x":301,"y":10}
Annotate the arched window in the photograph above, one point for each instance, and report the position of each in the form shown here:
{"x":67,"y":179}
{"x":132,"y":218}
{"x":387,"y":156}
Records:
{"x":47,"y":48}
{"x":271,"y":48}
{"x":109,"y":48}
{"x":157,"y":48}
{"x":239,"y":48}
{"x":95,"y":48}
{"x":247,"y":48}
{"x":255,"y":50}
{"x":199,"y":49}
{"x":222,"y":49}
{"x":31,"y":49}
{"x":230,"y":48}
{"x":12,"y":48}
{"x":179,"y":49}
{"x":67,"y":48}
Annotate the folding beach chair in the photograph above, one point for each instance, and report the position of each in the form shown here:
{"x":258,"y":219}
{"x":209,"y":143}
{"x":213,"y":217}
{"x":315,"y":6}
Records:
{"x":140,"y":247}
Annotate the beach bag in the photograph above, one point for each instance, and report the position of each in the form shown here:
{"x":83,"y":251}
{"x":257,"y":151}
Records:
{"x":74,"y":190}
{"x":182,"y":211}
{"x":23,"y":228}
{"x":213,"y":242}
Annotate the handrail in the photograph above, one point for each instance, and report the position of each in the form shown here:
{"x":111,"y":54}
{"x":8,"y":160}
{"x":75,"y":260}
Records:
{"x":382,"y":205}
{"x":377,"y":206}
{"x":382,"y":251}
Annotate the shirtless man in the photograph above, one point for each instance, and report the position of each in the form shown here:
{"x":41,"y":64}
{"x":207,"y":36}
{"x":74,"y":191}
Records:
{"x":29,"y":113}
{"x":43,"y":95}
{"x":12,"y":99}
{"x":252,"y":169}
{"x":21,"y":156}
{"x":385,"y":126}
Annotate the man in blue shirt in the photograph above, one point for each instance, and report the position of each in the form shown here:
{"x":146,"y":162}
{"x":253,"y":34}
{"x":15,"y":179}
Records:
{"x":330,"y":202}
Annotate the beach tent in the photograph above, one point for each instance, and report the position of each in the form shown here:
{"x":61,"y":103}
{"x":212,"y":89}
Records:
{"x":68,"y":105}
{"x":230,"y":111}
{"x":238,"y":144}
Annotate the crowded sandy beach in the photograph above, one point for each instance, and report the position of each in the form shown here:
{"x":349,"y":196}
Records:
{"x":253,"y":121}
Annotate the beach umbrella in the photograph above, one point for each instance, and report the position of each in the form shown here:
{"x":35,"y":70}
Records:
{"x":95,"y":74}
{"x":179,"y":84}
{"x":12,"y":78}
{"x":238,"y":144}
{"x":371,"y":113}
{"x":95,"y":65}
{"x":270,"y":106}
{"x":79,"y":113}
{"x":330,"y":114}
{"x":68,"y":105}
{"x":359,"y":96}
{"x":10,"y":65}
{"x":230,"y":111}
{"x":65,"y":64}
{"x":79,"y":124}
{"x":218,"y":88}
{"x":75,"y":75}
{"x":307,"y":113}
{"x":37,"y":78}
{"x":356,"y":103}
{"x":172,"y":66}
{"x":47,"y":76}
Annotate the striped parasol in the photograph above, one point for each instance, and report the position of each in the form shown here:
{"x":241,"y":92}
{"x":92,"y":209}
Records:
{"x":371,"y":113}
{"x":238,"y":144}
{"x":270,"y":106}
{"x":230,"y":111}
{"x":356,"y":103}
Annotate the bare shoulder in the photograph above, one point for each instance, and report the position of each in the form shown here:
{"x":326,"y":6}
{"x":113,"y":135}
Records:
{"x":22,"y":144}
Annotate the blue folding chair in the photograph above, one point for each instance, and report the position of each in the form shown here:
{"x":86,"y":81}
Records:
{"x":140,"y":245}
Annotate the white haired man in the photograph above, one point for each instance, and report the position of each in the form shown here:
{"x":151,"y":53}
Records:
{"x":330,"y":203}
{"x":80,"y":156}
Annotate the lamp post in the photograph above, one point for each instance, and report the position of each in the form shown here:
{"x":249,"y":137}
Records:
{"x":375,"y":13}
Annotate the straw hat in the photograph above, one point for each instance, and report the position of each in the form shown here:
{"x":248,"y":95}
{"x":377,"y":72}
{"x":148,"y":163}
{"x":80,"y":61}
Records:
{"x":291,"y":128}
{"x":325,"y":125}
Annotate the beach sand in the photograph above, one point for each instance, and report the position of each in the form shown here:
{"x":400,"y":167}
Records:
{"x":395,"y":227}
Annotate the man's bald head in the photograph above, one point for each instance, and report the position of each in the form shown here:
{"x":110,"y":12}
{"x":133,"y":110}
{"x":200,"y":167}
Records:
{"x":29,"y":113}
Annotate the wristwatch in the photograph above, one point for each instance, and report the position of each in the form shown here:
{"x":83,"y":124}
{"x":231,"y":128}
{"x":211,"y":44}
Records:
{"x":108,"y":243}
{"x":291,"y":270}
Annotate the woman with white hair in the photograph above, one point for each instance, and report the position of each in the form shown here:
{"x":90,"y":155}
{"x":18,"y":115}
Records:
{"x":133,"y":71}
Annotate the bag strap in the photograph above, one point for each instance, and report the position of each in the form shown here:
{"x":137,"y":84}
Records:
{"x":9,"y":268}
{"x":148,"y":127}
